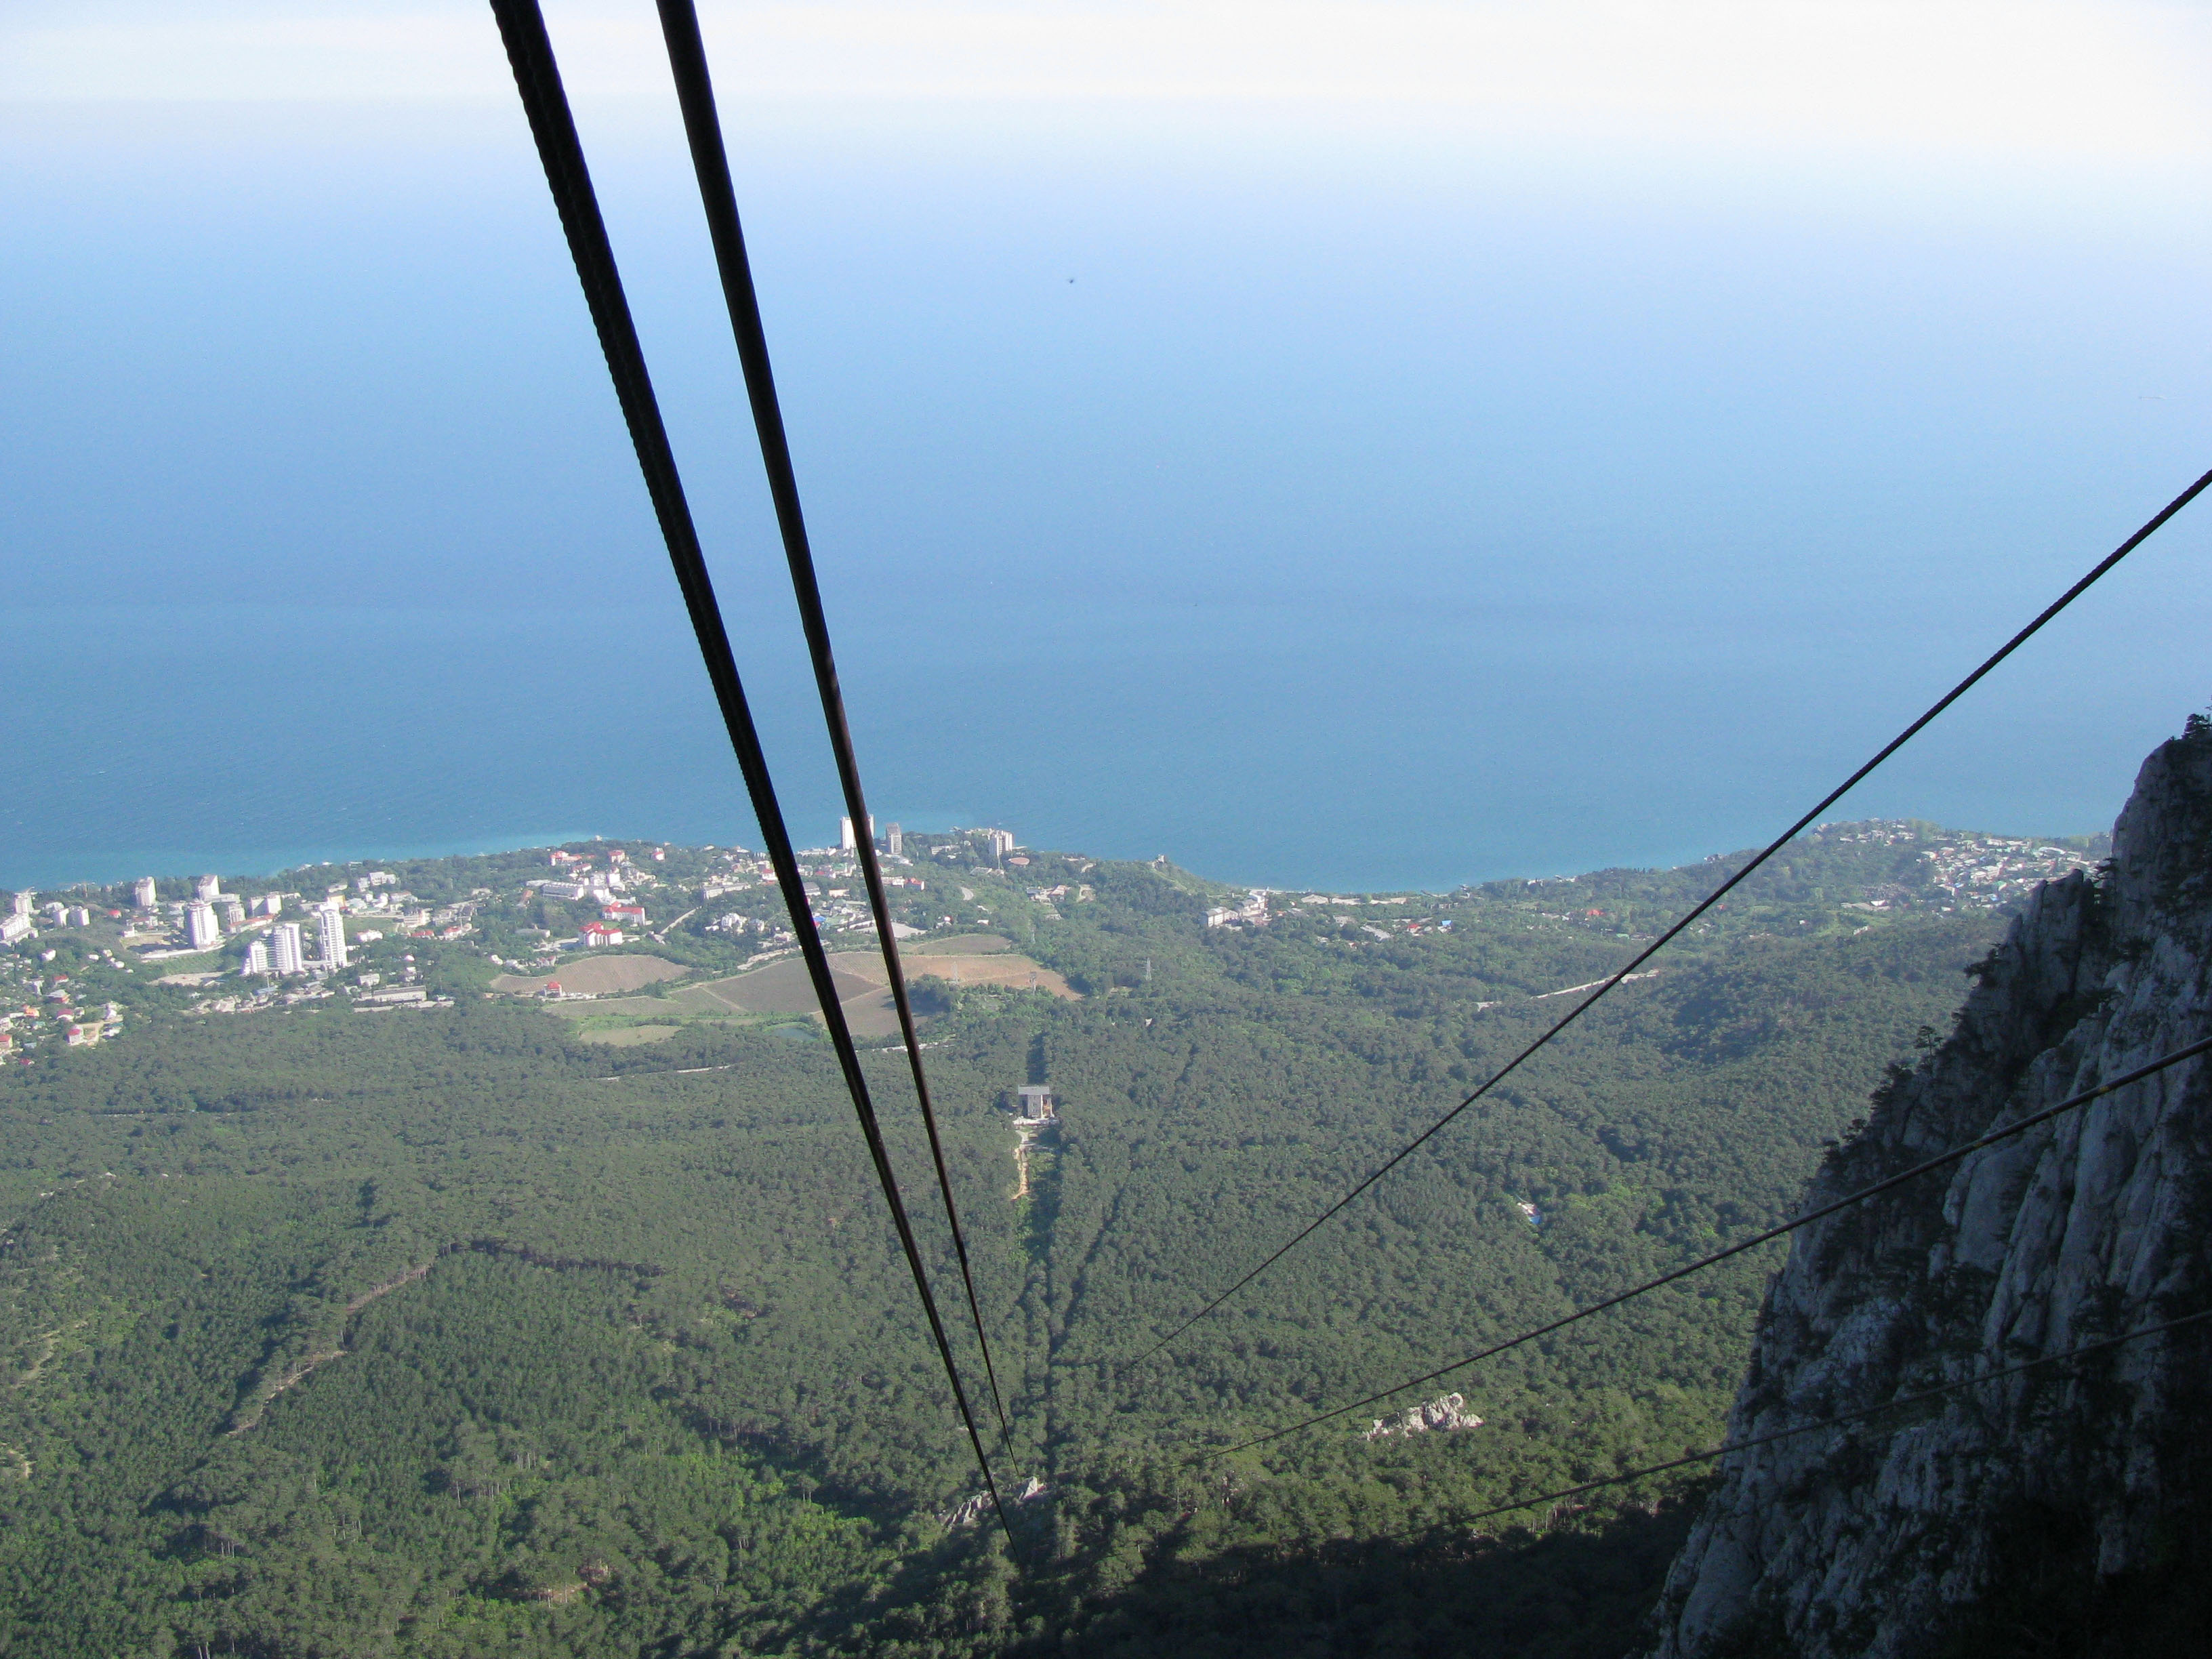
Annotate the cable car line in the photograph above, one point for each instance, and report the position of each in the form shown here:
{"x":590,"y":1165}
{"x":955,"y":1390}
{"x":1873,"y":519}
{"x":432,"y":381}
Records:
{"x":552,"y":126}
{"x":695,"y":92}
{"x":1700,"y":908}
{"x":1925,"y":1394}
{"x":2005,"y":1132}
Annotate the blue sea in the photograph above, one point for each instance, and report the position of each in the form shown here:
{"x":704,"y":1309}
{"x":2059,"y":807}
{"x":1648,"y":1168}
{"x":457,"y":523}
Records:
{"x":1358,"y":513}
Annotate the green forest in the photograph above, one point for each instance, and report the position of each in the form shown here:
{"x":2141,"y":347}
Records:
{"x":330,"y":1329}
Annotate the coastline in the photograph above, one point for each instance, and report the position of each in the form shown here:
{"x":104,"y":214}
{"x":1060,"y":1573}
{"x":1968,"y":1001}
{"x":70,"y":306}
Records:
{"x":106,"y":869}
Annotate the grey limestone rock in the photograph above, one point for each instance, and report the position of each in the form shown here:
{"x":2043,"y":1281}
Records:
{"x":1924,"y":1531}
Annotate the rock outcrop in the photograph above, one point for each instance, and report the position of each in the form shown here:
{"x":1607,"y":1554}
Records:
{"x":974,"y":1507}
{"x":2064,"y":1508}
{"x":1446,"y":1413}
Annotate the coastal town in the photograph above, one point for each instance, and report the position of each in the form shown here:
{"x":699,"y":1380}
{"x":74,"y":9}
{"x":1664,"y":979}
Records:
{"x":412,"y":937}
{"x":367,"y":938}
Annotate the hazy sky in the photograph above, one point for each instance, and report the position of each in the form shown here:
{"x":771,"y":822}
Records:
{"x":1665,"y":392}
{"x":2026,"y":81}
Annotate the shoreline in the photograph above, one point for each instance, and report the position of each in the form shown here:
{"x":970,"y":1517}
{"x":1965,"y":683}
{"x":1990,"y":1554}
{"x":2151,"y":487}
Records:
{"x":266,"y":863}
{"x":269,"y":864}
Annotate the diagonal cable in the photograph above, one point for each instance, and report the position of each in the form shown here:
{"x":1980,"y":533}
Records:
{"x":2020,"y":1126}
{"x":695,"y":90}
{"x":538,"y":78}
{"x":1864,"y":1412}
{"x":1701,"y":907}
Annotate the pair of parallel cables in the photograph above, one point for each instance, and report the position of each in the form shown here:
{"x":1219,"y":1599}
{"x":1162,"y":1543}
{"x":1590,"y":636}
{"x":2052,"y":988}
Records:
{"x":553,"y":127}
{"x":1849,"y":1201}
{"x":1621,"y":976}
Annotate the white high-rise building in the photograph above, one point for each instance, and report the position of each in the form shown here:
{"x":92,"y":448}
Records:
{"x":146,"y":893}
{"x":207,"y":887}
{"x":895,"y":840}
{"x":257,"y":957}
{"x":330,"y":937}
{"x":847,"y":841}
{"x":26,"y":901}
{"x":270,"y":904}
{"x":202,"y":930}
{"x":287,"y":949}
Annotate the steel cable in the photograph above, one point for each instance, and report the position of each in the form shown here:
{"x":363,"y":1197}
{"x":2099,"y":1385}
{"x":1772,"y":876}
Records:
{"x":537,"y":79}
{"x":1924,"y":1396}
{"x":1884,"y":1185}
{"x":1700,"y":908}
{"x":694,"y":91}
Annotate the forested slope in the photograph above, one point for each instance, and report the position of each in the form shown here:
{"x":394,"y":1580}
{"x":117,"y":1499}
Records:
{"x":443,"y":1332}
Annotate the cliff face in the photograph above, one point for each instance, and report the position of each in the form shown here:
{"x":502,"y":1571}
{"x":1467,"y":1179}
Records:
{"x":2058,"y":1510}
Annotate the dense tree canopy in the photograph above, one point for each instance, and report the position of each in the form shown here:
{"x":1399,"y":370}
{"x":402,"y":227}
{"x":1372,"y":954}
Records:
{"x":446,"y":1332}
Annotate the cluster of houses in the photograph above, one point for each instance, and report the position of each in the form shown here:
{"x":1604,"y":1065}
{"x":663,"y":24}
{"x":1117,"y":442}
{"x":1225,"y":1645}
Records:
{"x":1990,"y":870}
{"x":839,"y":907}
{"x":78,"y":1027}
{"x":583,"y":882}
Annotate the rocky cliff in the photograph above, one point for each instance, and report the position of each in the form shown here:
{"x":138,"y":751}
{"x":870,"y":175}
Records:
{"x":2063,"y":1509}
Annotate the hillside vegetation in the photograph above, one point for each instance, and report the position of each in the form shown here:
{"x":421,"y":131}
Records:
{"x":443,"y":1331}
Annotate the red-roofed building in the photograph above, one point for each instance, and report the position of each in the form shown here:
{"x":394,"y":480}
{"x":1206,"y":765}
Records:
{"x":597,"y":934}
{"x":622,"y":912}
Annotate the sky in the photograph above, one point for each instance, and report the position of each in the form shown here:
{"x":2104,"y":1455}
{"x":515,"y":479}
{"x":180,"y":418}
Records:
{"x":1330,"y":443}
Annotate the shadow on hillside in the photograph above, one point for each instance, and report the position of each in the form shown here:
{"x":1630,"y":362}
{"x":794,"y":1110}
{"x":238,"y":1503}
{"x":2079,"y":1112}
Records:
{"x":1566,"y":1595}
